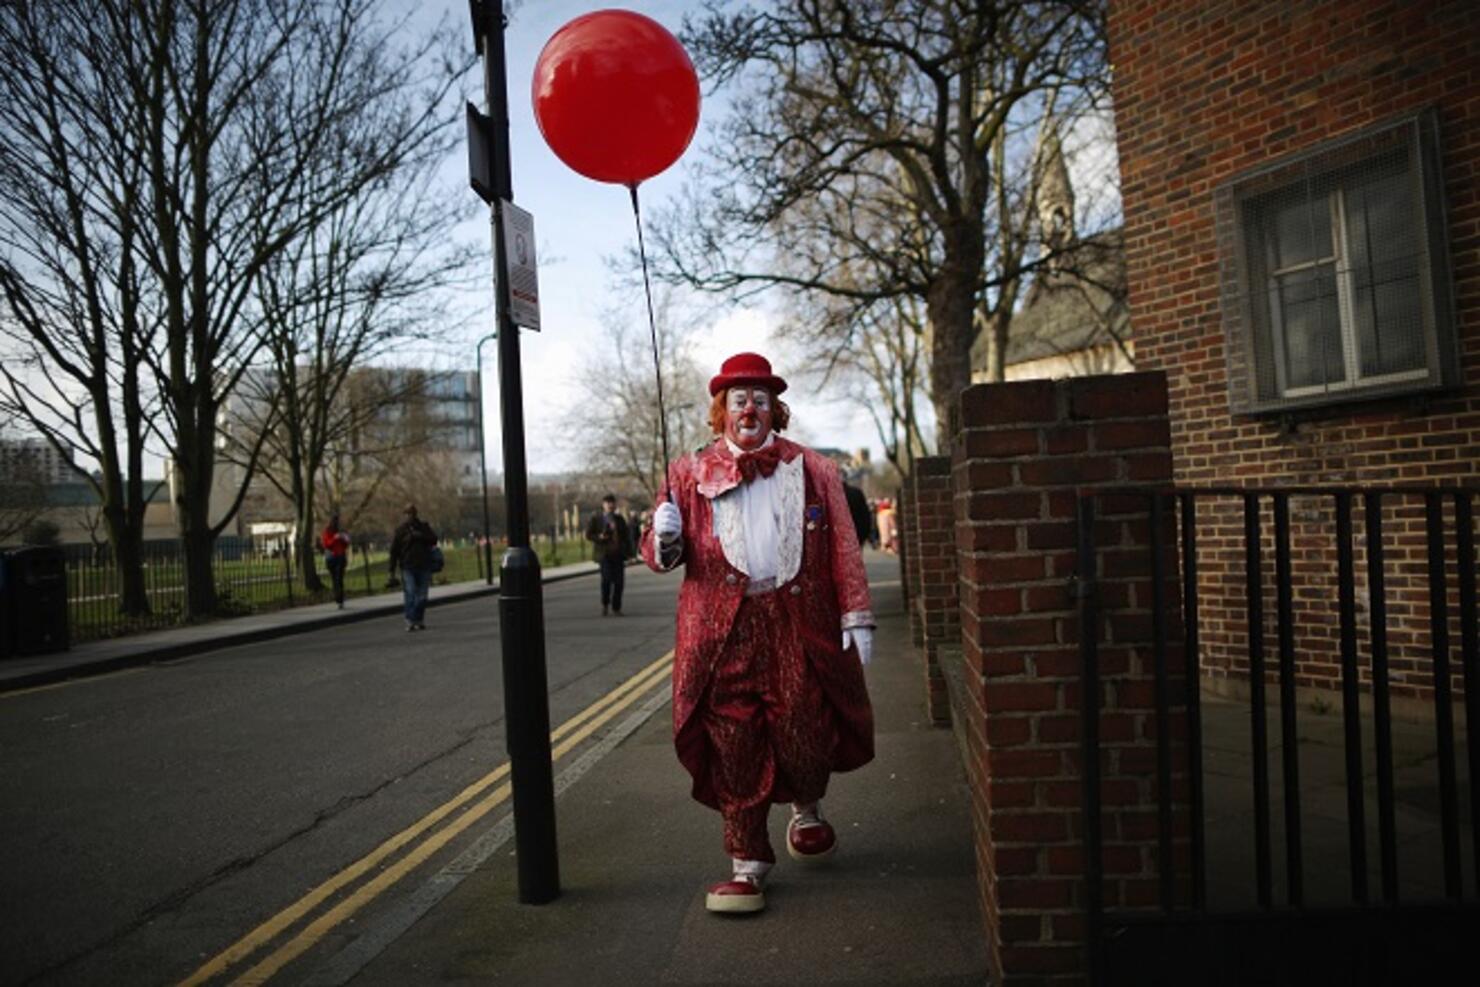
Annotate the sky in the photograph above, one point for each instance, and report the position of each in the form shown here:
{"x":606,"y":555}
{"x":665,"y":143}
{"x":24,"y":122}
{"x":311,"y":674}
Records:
{"x":580,"y":223}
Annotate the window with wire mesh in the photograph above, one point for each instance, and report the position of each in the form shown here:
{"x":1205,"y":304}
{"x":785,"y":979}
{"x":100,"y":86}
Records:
{"x":1334,"y":274}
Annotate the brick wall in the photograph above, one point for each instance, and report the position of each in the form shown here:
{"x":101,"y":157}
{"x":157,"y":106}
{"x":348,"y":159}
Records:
{"x":1026,"y":452}
{"x":909,"y":561}
{"x":1205,"y":91}
{"x":935,"y":604}
{"x":899,"y":547}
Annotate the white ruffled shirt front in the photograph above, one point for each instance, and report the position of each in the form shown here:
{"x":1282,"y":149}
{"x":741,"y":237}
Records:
{"x":760,"y":506}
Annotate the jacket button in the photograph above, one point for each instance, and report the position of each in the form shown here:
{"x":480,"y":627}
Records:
{"x":730,"y":578}
{"x":795,"y":590}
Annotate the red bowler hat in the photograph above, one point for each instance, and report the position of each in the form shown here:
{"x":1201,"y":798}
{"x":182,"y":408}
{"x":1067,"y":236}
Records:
{"x":746,"y":368}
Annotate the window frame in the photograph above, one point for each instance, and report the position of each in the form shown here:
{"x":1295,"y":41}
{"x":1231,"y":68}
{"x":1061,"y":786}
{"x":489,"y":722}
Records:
{"x":1255,"y":340}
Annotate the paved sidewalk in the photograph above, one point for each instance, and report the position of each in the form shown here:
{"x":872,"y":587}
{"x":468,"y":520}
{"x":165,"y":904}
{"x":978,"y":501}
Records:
{"x":97,"y":657}
{"x":898,"y":904}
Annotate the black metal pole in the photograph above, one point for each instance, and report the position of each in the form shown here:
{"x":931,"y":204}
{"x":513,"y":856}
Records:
{"x":1443,"y":707}
{"x":1382,"y":721}
{"x":1464,"y":523}
{"x":1289,"y":731}
{"x":1258,"y":727}
{"x":1351,"y":696}
{"x":520,"y":602}
{"x":487,"y":553}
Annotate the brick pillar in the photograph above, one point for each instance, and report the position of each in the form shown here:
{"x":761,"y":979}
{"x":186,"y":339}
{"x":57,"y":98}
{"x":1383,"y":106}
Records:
{"x":935,"y":551}
{"x":900,"y":553}
{"x":1025,"y":450}
{"x":909,"y":559}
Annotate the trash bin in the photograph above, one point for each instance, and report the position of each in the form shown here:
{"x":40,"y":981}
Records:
{"x":33,"y":601}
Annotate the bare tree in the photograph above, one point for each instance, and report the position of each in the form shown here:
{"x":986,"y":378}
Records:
{"x":89,"y":517}
{"x":399,"y":449}
{"x":379,"y":437}
{"x":80,"y":304}
{"x":614,"y":428}
{"x":883,"y":151}
{"x":198,"y":139}
{"x":877,"y":354}
{"x":428,"y":478}
{"x":361,"y":283}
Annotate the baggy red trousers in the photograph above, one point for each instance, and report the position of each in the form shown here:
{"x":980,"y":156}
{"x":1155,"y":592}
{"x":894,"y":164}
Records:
{"x":770,"y":731}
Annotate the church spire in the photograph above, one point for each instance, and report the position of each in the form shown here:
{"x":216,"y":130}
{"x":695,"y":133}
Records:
{"x":1055,"y":193}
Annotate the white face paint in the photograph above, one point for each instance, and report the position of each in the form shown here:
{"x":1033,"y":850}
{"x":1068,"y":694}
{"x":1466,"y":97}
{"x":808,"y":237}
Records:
{"x":747,"y":416}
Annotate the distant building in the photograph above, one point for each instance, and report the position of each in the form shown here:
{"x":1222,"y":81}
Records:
{"x":34,"y":460}
{"x":77,"y":512}
{"x":407,"y":411}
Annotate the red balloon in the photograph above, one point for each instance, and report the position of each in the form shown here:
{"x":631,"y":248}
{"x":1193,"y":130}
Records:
{"x":616,"y":96}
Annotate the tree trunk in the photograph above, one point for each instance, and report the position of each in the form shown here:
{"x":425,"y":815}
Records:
{"x":308,"y":547}
{"x":997,"y":365}
{"x":194,"y":504}
{"x":950,"y":305}
{"x":128,"y":560}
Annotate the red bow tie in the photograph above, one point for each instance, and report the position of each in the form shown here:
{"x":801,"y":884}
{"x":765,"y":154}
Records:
{"x":762,"y":461}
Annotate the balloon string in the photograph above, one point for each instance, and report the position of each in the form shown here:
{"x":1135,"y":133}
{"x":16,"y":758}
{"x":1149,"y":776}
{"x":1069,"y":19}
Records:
{"x":653,"y":332}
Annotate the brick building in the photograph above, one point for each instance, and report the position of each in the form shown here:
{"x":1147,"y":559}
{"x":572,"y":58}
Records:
{"x":1302,"y":232}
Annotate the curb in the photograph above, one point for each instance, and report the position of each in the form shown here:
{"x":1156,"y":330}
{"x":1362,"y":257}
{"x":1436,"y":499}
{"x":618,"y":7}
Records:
{"x":184,"y":649}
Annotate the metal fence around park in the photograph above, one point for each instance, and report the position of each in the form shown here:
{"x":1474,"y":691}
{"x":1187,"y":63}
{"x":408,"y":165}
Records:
{"x":255,"y":581}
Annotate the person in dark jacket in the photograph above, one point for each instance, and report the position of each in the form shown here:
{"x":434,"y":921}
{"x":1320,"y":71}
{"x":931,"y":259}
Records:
{"x":411,"y":551}
{"x":608,"y":531}
{"x":863,"y":518}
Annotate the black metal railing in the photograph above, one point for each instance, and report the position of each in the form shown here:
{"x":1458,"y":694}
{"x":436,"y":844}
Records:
{"x":249,"y":579}
{"x":246,"y":581}
{"x":1164,"y":559}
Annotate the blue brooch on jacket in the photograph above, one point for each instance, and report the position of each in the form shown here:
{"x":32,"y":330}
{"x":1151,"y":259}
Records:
{"x":814,"y":515}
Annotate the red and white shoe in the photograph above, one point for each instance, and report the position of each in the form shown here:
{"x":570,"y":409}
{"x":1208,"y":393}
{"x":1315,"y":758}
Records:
{"x":739,"y":895}
{"x":742,"y":893}
{"x":809,"y":837}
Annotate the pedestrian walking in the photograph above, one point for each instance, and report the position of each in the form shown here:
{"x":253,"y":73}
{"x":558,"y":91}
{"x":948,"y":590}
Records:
{"x":411,"y":552}
{"x":887,"y":526}
{"x":608,"y":532}
{"x":774,"y":628}
{"x":336,"y":555}
{"x":858,"y":509}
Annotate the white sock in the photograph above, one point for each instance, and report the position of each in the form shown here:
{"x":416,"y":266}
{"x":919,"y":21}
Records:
{"x":751,"y":868}
{"x":808,"y":812}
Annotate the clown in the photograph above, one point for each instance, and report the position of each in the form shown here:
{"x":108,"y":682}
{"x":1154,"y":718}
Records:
{"x":774,"y":627}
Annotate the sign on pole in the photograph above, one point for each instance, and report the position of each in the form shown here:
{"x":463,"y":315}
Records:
{"x":524,"y":281}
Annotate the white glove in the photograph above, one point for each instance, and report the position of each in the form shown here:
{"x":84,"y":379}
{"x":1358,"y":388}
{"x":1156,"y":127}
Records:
{"x":667,"y":523}
{"x":863,"y":639}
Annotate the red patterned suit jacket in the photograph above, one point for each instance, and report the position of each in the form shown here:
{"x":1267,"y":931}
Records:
{"x":820,"y":577}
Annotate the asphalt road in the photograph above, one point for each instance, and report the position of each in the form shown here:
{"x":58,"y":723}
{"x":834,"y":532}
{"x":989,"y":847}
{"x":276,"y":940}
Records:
{"x":150,"y":818}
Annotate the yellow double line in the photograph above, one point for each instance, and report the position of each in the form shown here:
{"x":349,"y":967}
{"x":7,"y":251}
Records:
{"x":565,"y":738}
